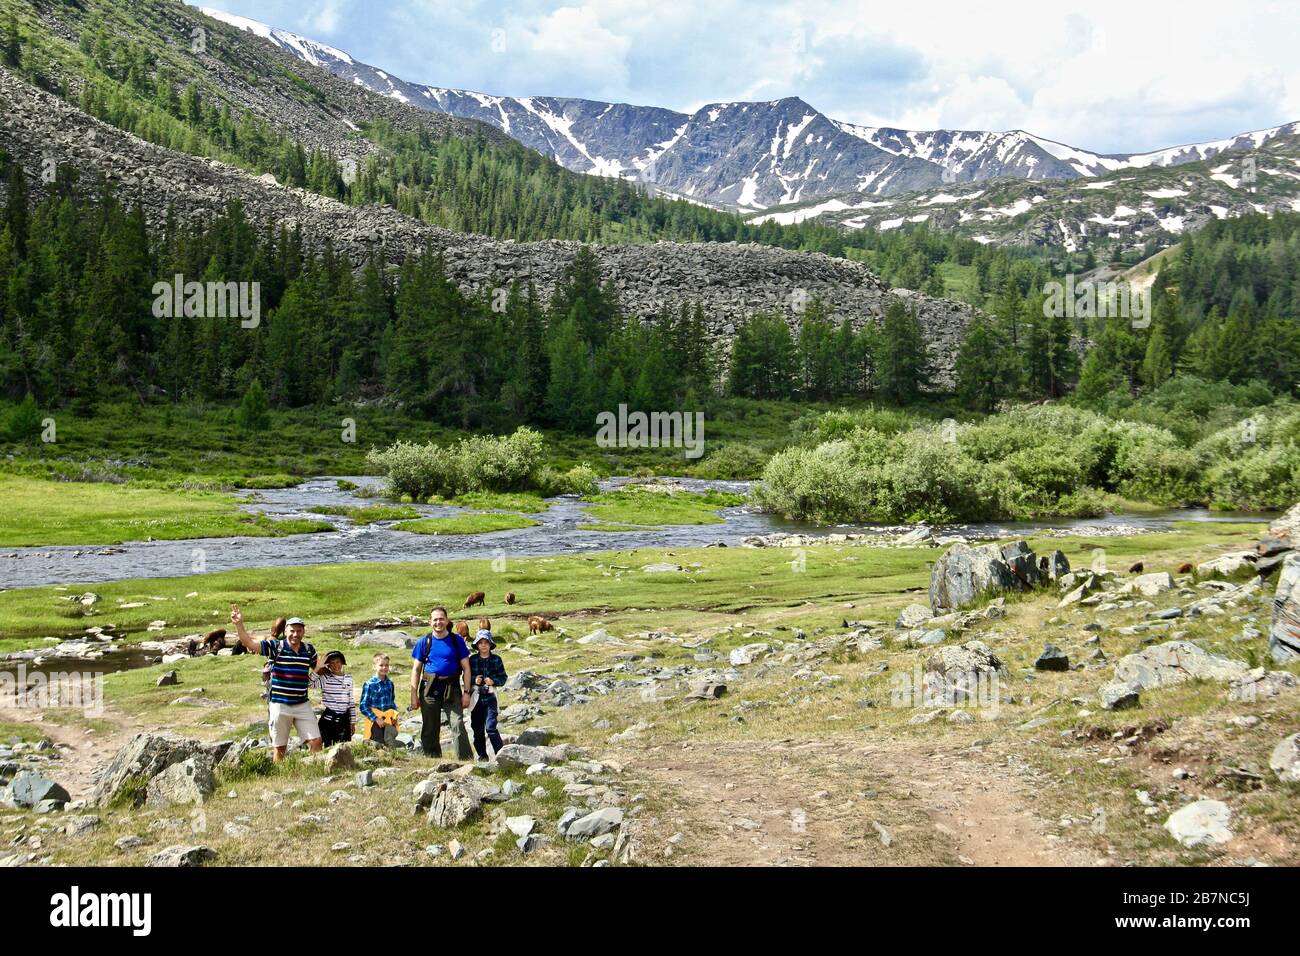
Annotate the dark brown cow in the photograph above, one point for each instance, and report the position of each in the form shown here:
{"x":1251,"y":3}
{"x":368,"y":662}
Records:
{"x":478,"y":597}
{"x":510,"y":597}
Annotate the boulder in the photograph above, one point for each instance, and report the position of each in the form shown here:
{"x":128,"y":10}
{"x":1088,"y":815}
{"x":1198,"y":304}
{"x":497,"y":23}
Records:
{"x":913,"y":616}
{"x":141,"y":759}
{"x":1227,"y":565}
{"x":748,"y":653}
{"x":965,"y":573}
{"x":183,"y":856}
{"x":1119,"y":695}
{"x":600,"y":636}
{"x":1285,"y":760}
{"x":456,"y":799}
{"x":1058,"y":565}
{"x":1203,"y":823}
{"x":170,"y":679}
{"x":1284,"y":633}
{"x":594,"y":824}
{"x":189,"y":782}
{"x":1052,"y":659}
{"x":1259,"y":684}
{"x":707,"y":691}
{"x":534,"y":737}
{"x":28,"y":789}
{"x":1174,"y":662}
{"x":397,"y":640}
{"x":522,"y":755}
{"x":1150,"y":585}
{"x":955,"y":673}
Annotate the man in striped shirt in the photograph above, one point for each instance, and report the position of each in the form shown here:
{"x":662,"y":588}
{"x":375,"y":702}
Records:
{"x":292,"y":661}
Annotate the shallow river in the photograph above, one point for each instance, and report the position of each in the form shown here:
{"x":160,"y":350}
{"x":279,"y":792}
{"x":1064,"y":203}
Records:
{"x":558,"y":534}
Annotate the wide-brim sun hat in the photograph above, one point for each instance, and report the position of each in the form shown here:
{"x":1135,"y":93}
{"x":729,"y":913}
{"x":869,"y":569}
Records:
{"x":484,"y":635}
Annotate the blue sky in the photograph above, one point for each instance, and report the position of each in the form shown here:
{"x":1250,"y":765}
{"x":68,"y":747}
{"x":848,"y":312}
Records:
{"x":1103,"y":75}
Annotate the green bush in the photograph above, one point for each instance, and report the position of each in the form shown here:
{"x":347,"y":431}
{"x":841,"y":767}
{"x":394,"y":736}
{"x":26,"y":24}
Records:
{"x":578,"y":480}
{"x":479,"y":463}
{"x":731,"y":461}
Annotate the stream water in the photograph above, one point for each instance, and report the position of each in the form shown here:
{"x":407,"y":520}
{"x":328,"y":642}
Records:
{"x":557,"y":534}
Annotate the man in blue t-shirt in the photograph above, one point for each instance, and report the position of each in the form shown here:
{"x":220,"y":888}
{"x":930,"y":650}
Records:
{"x":442,"y":663}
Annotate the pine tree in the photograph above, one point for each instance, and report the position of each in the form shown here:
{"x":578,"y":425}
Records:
{"x":985,"y":367}
{"x":903,"y":363}
{"x":254,"y":413}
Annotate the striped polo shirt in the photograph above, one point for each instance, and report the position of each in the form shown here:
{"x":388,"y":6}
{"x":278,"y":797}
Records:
{"x":290,"y":670}
{"x":335,"y":691}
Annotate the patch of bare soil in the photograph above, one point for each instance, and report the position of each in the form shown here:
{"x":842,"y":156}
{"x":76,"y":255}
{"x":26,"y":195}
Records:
{"x":839,"y":802}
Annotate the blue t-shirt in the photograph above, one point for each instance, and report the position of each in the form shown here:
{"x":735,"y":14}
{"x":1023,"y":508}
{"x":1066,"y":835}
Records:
{"x":445,"y":655}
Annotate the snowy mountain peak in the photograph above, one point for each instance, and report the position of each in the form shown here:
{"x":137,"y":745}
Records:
{"x":750,"y":156}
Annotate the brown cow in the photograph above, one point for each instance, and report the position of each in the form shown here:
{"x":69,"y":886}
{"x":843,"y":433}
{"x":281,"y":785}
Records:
{"x":510,"y":597}
{"x":1136,"y":568}
{"x":478,"y":597}
{"x":484,"y":624}
{"x":215,"y":641}
{"x":462,"y":628}
{"x":1185,"y":568}
{"x":537,"y":624}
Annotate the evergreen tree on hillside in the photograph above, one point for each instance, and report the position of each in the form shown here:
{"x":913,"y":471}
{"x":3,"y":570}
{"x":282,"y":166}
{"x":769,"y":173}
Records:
{"x":903,"y":365}
{"x":986,"y":370}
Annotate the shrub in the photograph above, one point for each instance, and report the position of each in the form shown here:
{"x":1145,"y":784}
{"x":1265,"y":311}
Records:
{"x":480,"y":463}
{"x":731,"y":461}
{"x":578,"y":480}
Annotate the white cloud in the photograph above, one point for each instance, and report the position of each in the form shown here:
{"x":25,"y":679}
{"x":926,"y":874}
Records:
{"x":1109,"y":75}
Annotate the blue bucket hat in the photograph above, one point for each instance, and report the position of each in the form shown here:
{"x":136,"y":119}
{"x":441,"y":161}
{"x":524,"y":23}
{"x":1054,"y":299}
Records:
{"x":484,"y":635}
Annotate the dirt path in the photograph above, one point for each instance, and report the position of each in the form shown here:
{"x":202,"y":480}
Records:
{"x":832,"y":802}
{"x":83,"y":750}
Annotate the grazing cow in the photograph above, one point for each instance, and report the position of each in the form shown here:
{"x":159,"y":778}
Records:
{"x":537,"y":624}
{"x":484,"y":624}
{"x":478,"y":597}
{"x":1185,"y":568}
{"x":1136,"y":568}
{"x":215,"y":641}
{"x":462,"y":628}
{"x":510,"y":597}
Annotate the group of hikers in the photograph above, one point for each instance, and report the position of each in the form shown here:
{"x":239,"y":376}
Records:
{"x":446,"y":680}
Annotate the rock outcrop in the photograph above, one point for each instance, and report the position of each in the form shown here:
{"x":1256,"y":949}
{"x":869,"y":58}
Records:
{"x":965,"y":573}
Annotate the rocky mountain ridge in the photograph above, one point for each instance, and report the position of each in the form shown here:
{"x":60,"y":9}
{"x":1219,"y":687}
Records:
{"x":731,"y":281}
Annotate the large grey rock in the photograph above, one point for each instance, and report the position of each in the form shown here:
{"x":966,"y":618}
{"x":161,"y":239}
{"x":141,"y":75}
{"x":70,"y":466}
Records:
{"x":1119,"y":695}
{"x":965,"y":573}
{"x":183,"y":856}
{"x":960,"y":673}
{"x":1284,"y":633}
{"x":1150,"y":585}
{"x":1174,"y":662}
{"x":913,"y":616}
{"x":187,"y":783}
{"x":1227,"y":565}
{"x":397,"y":640}
{"x":28,"y":789}
{"x":1203,"y":823}
{"x":748,"y":653}
{"x":594,"y":824}
{"x":141,"y":759}
{"x":456,"y":799}
{"x":1285,"y":760}
{"x":1260,"y":684}
{"x":521,"y":755}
